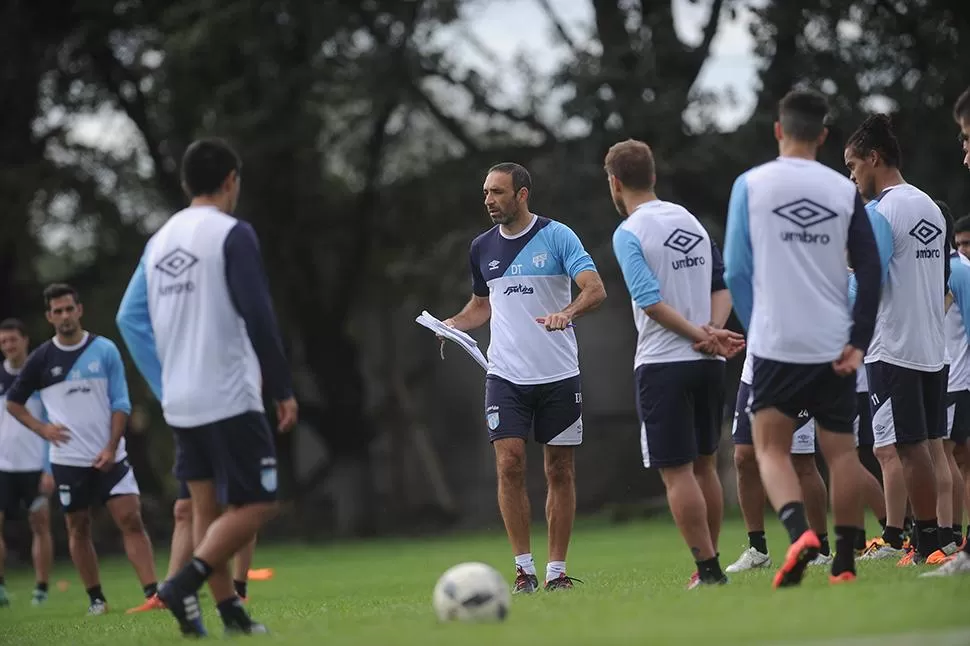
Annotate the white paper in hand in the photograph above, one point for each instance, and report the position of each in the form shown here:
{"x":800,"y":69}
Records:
{"x":467,"y":343}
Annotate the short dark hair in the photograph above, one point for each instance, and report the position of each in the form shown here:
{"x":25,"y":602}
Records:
{"x":961,"y":109}
{"x":57,"y":290}
{"x":962,"y":225}
{"x":206,"y":164}
{"x":632,"y":163}
{"x":13,"y":325}
{"x":876,"y":135}
{"x":803,"y":114}
{"x":520,"y":176}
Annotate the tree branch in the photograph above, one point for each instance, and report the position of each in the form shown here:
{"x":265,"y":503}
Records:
{"x":452,"y":125}
{"x":558,"y":24}
{"x":702,"y":51}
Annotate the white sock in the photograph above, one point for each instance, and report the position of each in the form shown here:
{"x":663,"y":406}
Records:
{"x":554,"y":569}
{"x":525,"y":562}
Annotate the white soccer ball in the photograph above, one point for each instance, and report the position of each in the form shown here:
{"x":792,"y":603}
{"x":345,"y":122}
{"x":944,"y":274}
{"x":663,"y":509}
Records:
{"x":472,"y":592}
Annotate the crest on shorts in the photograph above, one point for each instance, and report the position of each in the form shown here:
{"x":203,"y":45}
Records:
{"x":492,"y":420}
{"x":64,"y":493}
{"x":267,"y":477}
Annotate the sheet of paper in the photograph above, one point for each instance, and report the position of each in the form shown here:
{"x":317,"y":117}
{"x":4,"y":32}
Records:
{"x":466,"y":342}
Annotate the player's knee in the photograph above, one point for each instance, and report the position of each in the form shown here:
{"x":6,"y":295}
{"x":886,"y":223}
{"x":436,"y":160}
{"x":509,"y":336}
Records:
{"x":182,"y":511}
{"x":511,"y":465}
{"x":745,"y":459}
{"x":79,"y":526}
{"x":130,"y":522}
{"x":887,"y":456}
{"x":40,"y":521}
{"x":559,"y":472}
{"x":805,"y":466}
{"x":673,"y":476}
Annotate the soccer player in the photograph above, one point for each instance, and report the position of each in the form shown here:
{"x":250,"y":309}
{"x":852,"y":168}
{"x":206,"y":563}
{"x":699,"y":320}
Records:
{"x":906,"y":360}
{"x":960,"y":564}
{"x":674,"y":275}
{"x":521,"y":271}
{"x":81,"y":380}
{"x":198,"y":320}
{"x":25,"y":475}
{"x":960,"y":432}
{"x":751,"y":492}
{"x":790,"y":223}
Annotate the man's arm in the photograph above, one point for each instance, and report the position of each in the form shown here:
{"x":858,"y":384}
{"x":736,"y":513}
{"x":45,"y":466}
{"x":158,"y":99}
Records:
{"x":27,"y":383}
{"x":720,"y":294}
{"x":249,"y":292}
{"x":882,"y":231}
{"x":867,"y":267}
{"x":118,"y":398}
{"x":738,"y":257}
{"x":579,"y":266}
{"x":135,"y":324}
{"x":591,"y":295}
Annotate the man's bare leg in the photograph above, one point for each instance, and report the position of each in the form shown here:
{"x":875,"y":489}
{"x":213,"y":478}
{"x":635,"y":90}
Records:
{"x":895,"y":496}
{"x":85,"y":559}
{"x":513,"y":503}
{"x":560,"y":471}
{"x":126,"y":513}
{"x":689,"y":509}
{"x":705,"y":470}
{"x":751,"y":499}
{"x":815,"y":496}
{"x":846,"y":476}
{"x":921,"y":484}
{"x":42,"y":550}
{"x":241,"y":565}
{"x":182,"y":537}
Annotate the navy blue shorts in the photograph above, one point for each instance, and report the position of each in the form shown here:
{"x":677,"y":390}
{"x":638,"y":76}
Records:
{"x":238,"y":454}
{"x":681,"y":408}
{"x":802,"y":442}
{"x":794,"y":388}
{"x":908,"y":406}
{"x":958,"y":416}
{"x":863,"y":435}
{"x":18,"y":489}
{"x":554,"y":411}
{"x":79,"y":488}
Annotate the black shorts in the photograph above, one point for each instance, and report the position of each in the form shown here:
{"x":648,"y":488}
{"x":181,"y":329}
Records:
{"x":18,"y":489}
{"x":802,"y":442}
{"x":681,"y":408}
{"x":908,"y":406}
{"x":79,"y":488}
{"x":238,"y":454}
{"x":958,"y":416}
{"x":553,"y":411}
{"x":794,"y":388}
{"x":863,"y":421}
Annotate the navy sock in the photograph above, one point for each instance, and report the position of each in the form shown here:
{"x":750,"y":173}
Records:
{"x":150,"y":590}
{"x":240,"y":588}
{"x":824,"y":540}
{"x":95,"y":594}
{"x":42,"y":586}
{"x":192,"y":576}
{"x":860,"y":539}
{"x":233,"y":613}
{"x":944,"y":535}
{"x":845,"y":538}
{"x":710,"y":570}
{"x":793,"y":518}
{"x":757,"y":541}
{"x":893,"y":536}
{"x":927,"y":537}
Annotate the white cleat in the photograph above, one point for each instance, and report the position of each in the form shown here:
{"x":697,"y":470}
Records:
{"x":877,"y":550}
{"x":750,"y":559}
{"x":822,"y":559}
{"x":959,"y":564}
{"x":97,"y":608}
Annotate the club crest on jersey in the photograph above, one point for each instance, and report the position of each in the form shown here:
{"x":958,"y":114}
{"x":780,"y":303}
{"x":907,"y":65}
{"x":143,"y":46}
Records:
{"x":492,"y":420}
{"x":94,"y":367}
{"x":539,"y":260}
{"x":57,"y":371}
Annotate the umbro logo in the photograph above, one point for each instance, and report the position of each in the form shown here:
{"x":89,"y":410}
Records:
{"x":925,"y":232}
{"x":492,"y":266}
{"x":805,"y":213}
{"x":682,"y":241}
{"x":176,"y":262}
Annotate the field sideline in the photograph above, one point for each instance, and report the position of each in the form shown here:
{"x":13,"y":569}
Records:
{"x":379,"y":592}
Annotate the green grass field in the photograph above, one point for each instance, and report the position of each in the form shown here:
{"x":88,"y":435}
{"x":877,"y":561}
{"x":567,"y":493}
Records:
{"x":380,"y":593}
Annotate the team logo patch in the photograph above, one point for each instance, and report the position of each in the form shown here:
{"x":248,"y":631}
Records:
{"x":176,"y":262}
{"x":682,"y":241}
{"x":805,"y":213}
{"x":492,"y":420}
{"x":64,"y":493}
{"x":539,"y":260}
{"x":925,"y":232}
{"x":267,"y":478}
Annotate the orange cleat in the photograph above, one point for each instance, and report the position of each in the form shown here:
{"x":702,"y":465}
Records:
{"x":845,"y":577}
{"x":262,"y":574}
{"x":800,"y":554}
{"x":151,"y":603}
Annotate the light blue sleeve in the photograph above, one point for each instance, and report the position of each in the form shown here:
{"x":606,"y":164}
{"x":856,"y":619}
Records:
{"x":853,"y":289}
{"x":117,"y":384}
{"x":960,"y":287}
{"x":883,"y":233}
{"x":575,"y":259}
{"x":738,"y":258}
{"x":640,"y":280}
{"x":135,"y":325}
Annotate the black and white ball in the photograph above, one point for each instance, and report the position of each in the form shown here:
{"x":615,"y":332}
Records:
{"x":472,"y":592}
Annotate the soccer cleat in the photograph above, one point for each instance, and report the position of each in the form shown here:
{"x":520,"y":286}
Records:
{"x":98,"y":608}
{"x":912,"y":557}
{"x":750,"y":559}
{"x":800,"y":554}
{"x":185,"y":608}
{"x":822,"y":559}
{"x":38,"y":598}
{"x":959,"y":564}
{"x":151,"y":603}
{"x":878,"y":549}
{"x":524,"y":583}
{"x":942,"y":555}
{"x":252,"y":629}
{"x":696,"y":581}
{"x":561,"y":582}
{"x":844,"y":577}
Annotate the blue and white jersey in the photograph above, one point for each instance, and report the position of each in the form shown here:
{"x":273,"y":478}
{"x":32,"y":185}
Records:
{"x":525,"y":277}
{"x":20,"y":448}
{"x":666,"y":255}
{"x":80,"y":386}
{"x":789,"y":224}
{"x":198,"y":320}
{"x":954,"y":324}
{"x":909,"y":328}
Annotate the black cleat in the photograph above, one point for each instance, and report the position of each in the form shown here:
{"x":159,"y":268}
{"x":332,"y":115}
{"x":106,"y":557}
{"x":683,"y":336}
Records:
{"x":561,"y":582}
{"x":185,"y":608}
{"x":525,"y":583}
{"x":252,"y":629}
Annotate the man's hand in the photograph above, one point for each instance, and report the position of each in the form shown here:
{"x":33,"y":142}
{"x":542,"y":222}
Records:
{"x":555,"y":322}
{"x":720,"y":342}
{"x":56,"y":434}
{"x":287,"y":413}
{"x":46,"y":486}
{"x":106,"y":459}
{"x":848,"y":362}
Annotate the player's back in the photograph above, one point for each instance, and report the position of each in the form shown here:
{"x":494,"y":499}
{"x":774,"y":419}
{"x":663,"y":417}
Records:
{"x":797,"y":214}
{"x":20,"y":448}
{"x":681,"y":260}
{"x":909,"y":327}
{"x":209,"y":367}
